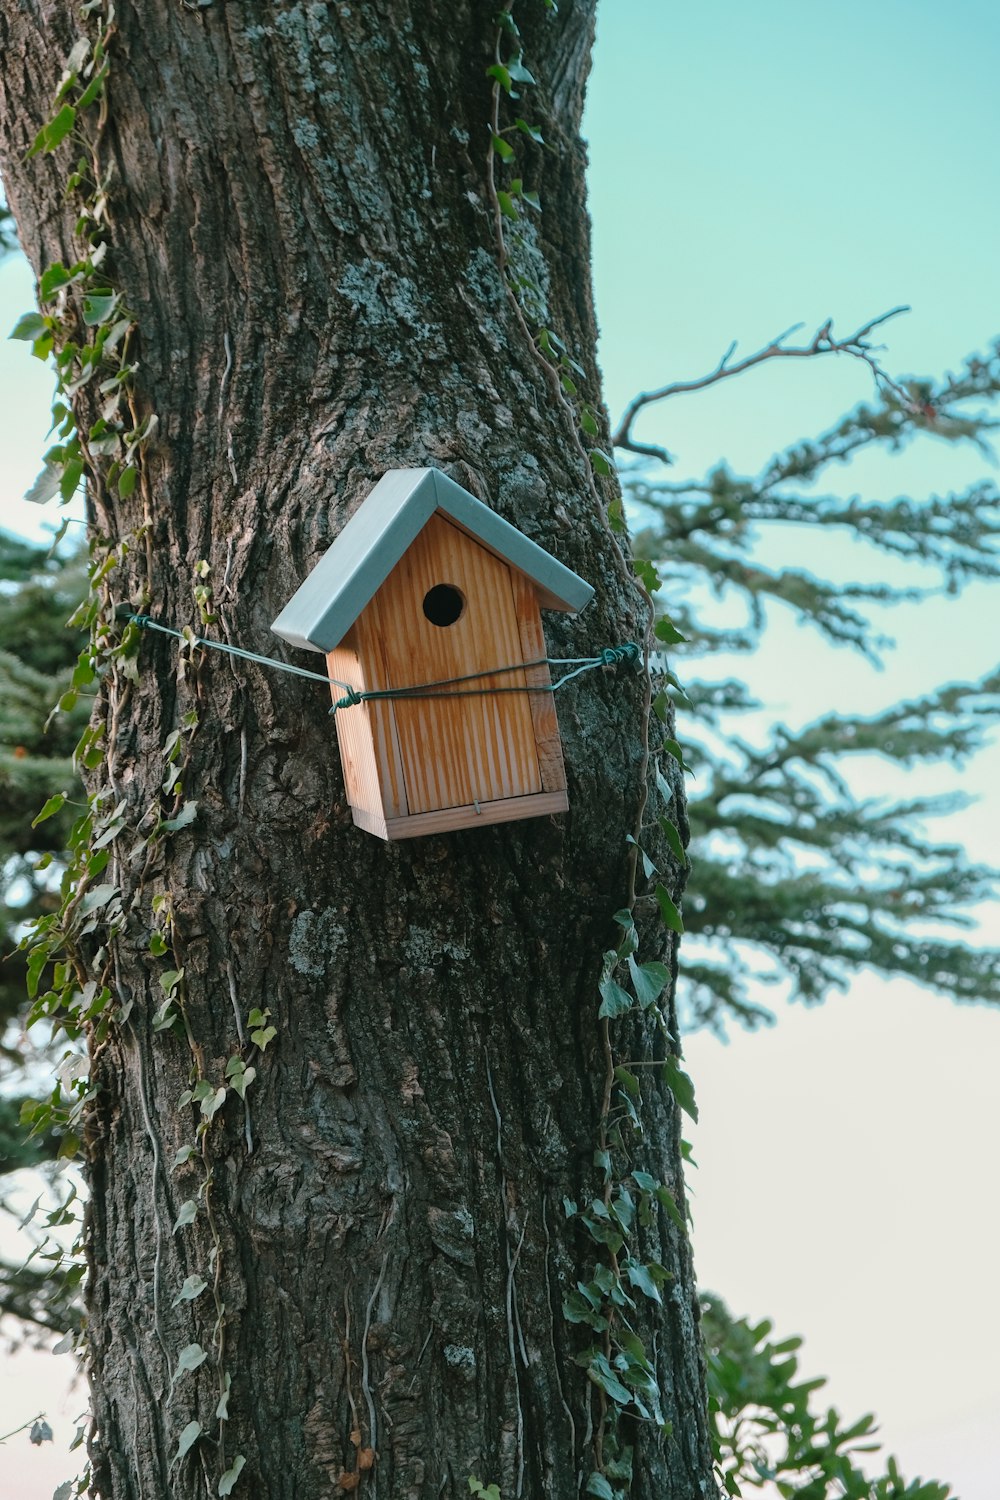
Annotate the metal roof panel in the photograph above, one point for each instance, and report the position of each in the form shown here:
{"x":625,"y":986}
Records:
{"x":325,"y":606}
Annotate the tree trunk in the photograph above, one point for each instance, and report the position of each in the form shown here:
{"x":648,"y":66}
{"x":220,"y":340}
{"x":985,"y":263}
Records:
{"x":301,"y":222}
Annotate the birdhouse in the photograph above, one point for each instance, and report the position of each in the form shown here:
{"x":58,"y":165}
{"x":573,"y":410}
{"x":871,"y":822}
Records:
{"x":429,"y":602}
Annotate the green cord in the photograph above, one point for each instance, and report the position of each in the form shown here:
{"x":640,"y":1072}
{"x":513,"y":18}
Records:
{"x":609,"y":657}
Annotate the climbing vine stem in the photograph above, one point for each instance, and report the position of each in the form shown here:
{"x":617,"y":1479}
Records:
{"x":610,"y":1302}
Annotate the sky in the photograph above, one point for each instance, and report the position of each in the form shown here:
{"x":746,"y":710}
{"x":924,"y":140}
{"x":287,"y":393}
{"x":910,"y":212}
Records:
{"x":753,"y":166}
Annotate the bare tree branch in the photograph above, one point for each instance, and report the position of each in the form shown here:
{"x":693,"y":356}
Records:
{"x":823,"y":342}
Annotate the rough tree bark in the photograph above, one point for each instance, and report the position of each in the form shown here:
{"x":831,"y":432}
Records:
{"x":300,"y":221}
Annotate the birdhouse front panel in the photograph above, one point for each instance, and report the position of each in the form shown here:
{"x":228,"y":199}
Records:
{"x":449,"y":609}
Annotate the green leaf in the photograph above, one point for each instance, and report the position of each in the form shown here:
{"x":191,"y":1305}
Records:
{"x":673,"y":839}
{"x":52,"y":806}
{"x":45,"y":486}
{"x":599,"y":1486}
{"x":675,"y":752}
{"x":263,"y":1037}
{"x":682,"y":1088}
{"x":69,"y":479}
{"x":600,"y":462}
{"x":614,"y":1000}
{"x":602,"y":1374}
{"x":98,"y":307}
{"x":187,"y":1215}
{"x":97,"y":897}
{"x":126,"y":481}
{"x":190,"y":1357}
{"x":502,"y":76}
{"x":243,"y":1080}
{"x":213,"y":1102}
{"x":157,"y":945}
{"x":182,"y":1155}
{"x":54,"y":131}
{"x":629,"y":1082}
{"x":507,"y":205}
{"x":192,"y":1288}
{"x":503,"y":148}
{"x":187,"y":815}
{"x":665,"y":630}
{"x":188,"y":1438}
{"x":639,"y":1276}
{"x":648,"y":980}
{"x":668,"y":911}
{"x":229,"y":1478}
{"x":518,"y":71}
{"x":28,"y":327}
{"x":530,"y":130}
{"x":170,"y":979}
{"x":52,"y":278}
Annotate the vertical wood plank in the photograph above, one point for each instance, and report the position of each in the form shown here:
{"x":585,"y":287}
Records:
{"x":548,"y":744}
{"x":472,"y":746}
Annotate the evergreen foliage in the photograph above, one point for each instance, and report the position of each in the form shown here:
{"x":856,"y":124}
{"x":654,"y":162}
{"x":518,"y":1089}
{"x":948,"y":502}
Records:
{"x":788,"y":865}
{"x":771,"y":1433}
{"x":39,"y":589}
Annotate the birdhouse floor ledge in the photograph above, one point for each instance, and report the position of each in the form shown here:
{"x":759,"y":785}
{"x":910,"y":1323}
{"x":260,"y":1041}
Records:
{"x":446,"y":819}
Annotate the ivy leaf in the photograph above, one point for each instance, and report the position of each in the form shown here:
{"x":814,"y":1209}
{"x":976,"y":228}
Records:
{"x":52,"y":806}
{"x":28,"y":327}
{"x":665,"y":630}
{"x":192,"y":1288}
{"x":599,"y":1486}
{"x":640,"y":1277}
{"x":600,"y":462}
{"x":241,"y":1081}
{"x":614,"y":1000}
{"x":96,"y":898}
{"x":212,"y":1103}
{"x":98,"y":307}
{"x":682,"y":1088}
{"x":602,"y":1374}
{"x":502,"y":76}
{"x":190,"y":1357}
{"x":532,"y":131}
{"x":673,"y":839}
{"x":228,"y":1481}
{"x":503,"y":148}
{"x":519,"y":72}
{"x":665,"y":1197}
{"x":45,"y":486}
{"x":187,"y":1215}
{"x":668,"y":911}
{"x":184,"y":1154}
{"x":52,"y":278}
{"x":187,"y":815}
{"x":187,"y":1440}
{"x":648,"y":981}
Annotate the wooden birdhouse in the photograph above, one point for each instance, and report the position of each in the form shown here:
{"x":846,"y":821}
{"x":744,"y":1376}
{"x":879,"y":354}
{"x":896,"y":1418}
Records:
{"x":431,"y":598}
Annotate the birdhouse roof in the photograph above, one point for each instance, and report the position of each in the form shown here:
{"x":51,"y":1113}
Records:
{"x":346,"y":578}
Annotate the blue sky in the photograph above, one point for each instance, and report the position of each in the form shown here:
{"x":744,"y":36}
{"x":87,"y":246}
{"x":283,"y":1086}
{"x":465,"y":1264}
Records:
{"x":751,"y":167}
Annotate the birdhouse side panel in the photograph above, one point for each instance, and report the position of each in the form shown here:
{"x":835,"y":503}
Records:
{"x":548,"y":745}
{"x":369,"y":750}
{"x":447,"y":611}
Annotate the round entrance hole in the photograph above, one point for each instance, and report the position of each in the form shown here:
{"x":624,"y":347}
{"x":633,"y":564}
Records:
{"x":443,"y":604}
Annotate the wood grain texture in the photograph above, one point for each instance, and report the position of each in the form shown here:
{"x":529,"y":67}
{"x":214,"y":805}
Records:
{"x":545,"y":723}
{"x":472,"y":747}
{"x":447,"y":819}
